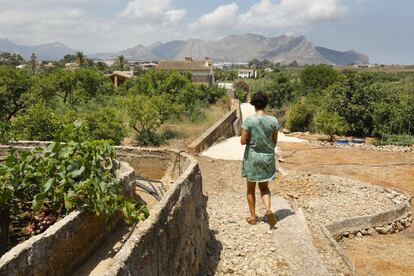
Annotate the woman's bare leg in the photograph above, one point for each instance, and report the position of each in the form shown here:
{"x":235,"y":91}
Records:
{"x":265,"y":193}
{"x":251,"y":198}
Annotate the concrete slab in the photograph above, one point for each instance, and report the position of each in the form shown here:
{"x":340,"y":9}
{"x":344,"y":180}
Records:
{"x":294,"y":238}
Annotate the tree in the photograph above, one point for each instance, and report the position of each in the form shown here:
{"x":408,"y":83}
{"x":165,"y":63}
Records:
{"x":281,"y":89}
{"x":318,"y":76}
{"x":37,"y":123}
{"x":122,"y":62}
{"x":15,"y":91}
{"x":80,"y":58}
{"x":330,"y":123}
{"x":241,"y":90}
{"x":33,"y":63}
{"x":146,"y":114}
{"x":299,"y":117}
{"x":77,"y":86}
{"x":10,"y":59}
{"x":69,"y":58}
{"x":101,"y":66}
{"x":354,"y":97}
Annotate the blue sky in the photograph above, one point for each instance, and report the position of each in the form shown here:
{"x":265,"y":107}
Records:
{"x":383,"y":29}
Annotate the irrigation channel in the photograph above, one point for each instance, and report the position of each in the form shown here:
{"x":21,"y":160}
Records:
{"x":150,"y":191}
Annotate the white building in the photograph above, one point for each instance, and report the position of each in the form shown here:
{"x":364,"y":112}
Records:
{"x":226,"y":85}
{"x":247,"y":73}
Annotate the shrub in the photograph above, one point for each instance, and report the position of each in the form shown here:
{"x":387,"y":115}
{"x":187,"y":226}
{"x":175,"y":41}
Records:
{"x":104,"y":123}
{"x":281,"y":90}
{"x":70,"y":176}
{"x":5,"y":132}
{"x":330,"y":123}
{"x":37,"y":123}
{"x":318,"y":76}
{"x":299,"y":117}
{"x":240,"y":94}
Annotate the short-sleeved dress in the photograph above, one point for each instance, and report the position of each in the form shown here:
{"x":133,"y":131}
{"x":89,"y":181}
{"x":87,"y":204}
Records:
{"x":259,"y":156}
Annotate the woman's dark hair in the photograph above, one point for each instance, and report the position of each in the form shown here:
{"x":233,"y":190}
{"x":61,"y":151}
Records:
{"x":259,"y":100}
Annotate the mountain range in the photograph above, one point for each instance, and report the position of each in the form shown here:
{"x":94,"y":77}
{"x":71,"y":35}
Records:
{"x":242,"y":48}
{"x":51,"y":51}
{"x":233,"y":48}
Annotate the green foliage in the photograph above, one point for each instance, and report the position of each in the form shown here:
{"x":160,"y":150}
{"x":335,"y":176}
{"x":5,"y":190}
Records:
{"x":225,"y":74}
{"x":103,"y":123}
{"x":76,"y":87}
{"x":299,"y":117}
{"x":354,"y":97}
{"x":5,"y":132}
{"x":10,"y":59}
{"x":15,"y":88}
{"x":281,"y":89}
{"x":38,"y":123}
{"x":240,"y":94}
{"x":397,"y":140}
{"x":318,"y":76}
{"x":75,"y":175}
{"x":211,"y":94}
{"x":330,"y":123}
{"x":242,"y":84}
{"x":241,"y":90}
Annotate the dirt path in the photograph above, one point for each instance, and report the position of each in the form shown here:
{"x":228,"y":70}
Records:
{"x":241,"y":249}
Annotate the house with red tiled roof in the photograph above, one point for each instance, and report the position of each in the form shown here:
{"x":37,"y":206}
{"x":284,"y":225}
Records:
{"x":201,"y":70}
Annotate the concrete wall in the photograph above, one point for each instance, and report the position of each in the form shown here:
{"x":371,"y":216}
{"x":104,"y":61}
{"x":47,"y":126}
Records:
{"x":172,"y":241}
{"x":66,"y":244}
{"x":228,"y":126}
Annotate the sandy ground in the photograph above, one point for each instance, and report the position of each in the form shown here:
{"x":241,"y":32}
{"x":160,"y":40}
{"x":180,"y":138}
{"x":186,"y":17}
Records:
{"x":379,"y":255}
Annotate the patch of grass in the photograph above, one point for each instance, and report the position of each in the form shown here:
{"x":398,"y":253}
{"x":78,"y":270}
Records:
{"x":185,"y":131}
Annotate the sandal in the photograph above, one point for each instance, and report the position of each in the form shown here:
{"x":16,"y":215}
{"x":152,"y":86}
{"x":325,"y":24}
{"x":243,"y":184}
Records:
{"x":251,"y":221}
{"x":271,"y":218}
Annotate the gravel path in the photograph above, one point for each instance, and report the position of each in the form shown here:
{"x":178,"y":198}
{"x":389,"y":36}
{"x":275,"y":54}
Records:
{"x":241,"y":249}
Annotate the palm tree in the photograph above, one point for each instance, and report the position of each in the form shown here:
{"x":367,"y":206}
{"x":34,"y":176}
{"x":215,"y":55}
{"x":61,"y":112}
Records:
{"x":80,"y":58}
{"x":33,"y":63}
{"x":122,"y":61}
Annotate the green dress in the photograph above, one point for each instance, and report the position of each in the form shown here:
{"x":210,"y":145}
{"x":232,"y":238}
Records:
{"x":259,"y":156}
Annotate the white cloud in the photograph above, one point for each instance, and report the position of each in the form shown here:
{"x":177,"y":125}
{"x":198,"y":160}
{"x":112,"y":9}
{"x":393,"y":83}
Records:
{"x":222,"y":16}
{"x":291,"y":13}
{"x":268,"y":14}
{"x":109,"y":25}
{"x":154,"y":11}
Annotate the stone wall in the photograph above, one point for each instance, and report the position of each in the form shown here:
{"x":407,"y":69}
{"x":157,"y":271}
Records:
{"x":226,"y":127}
{"x":172,"y":240}
{"x":66,"y":244}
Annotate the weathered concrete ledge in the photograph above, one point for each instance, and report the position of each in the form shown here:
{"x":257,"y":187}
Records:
{"x":224,"y":128}
{"x":172,"y":240}
{"x":65,"y":244}
{"x":387,"y":222}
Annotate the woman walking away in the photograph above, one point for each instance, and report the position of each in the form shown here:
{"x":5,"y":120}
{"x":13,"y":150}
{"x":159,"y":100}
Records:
{"x":259,"y":134}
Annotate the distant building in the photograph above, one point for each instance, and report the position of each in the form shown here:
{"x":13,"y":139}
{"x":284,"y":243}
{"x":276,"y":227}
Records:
{"x":201,"y":70}
{"x":21,"y":66}
{"x":226,"y":85}
{"x":269,"y":70}
{"x":119,"y":77}
{"x":49,"y":65}
{"x":71,"y":66}
{"x":247,"y":73}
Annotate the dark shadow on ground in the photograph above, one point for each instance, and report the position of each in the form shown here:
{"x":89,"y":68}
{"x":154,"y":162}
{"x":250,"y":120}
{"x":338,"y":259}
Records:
{"x":283,"y":213}
{"x":213,"y":252}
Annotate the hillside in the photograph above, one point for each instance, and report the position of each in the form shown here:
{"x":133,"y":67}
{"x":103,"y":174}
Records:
{"x":242,"y":48}
{"x":51,"y":51}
